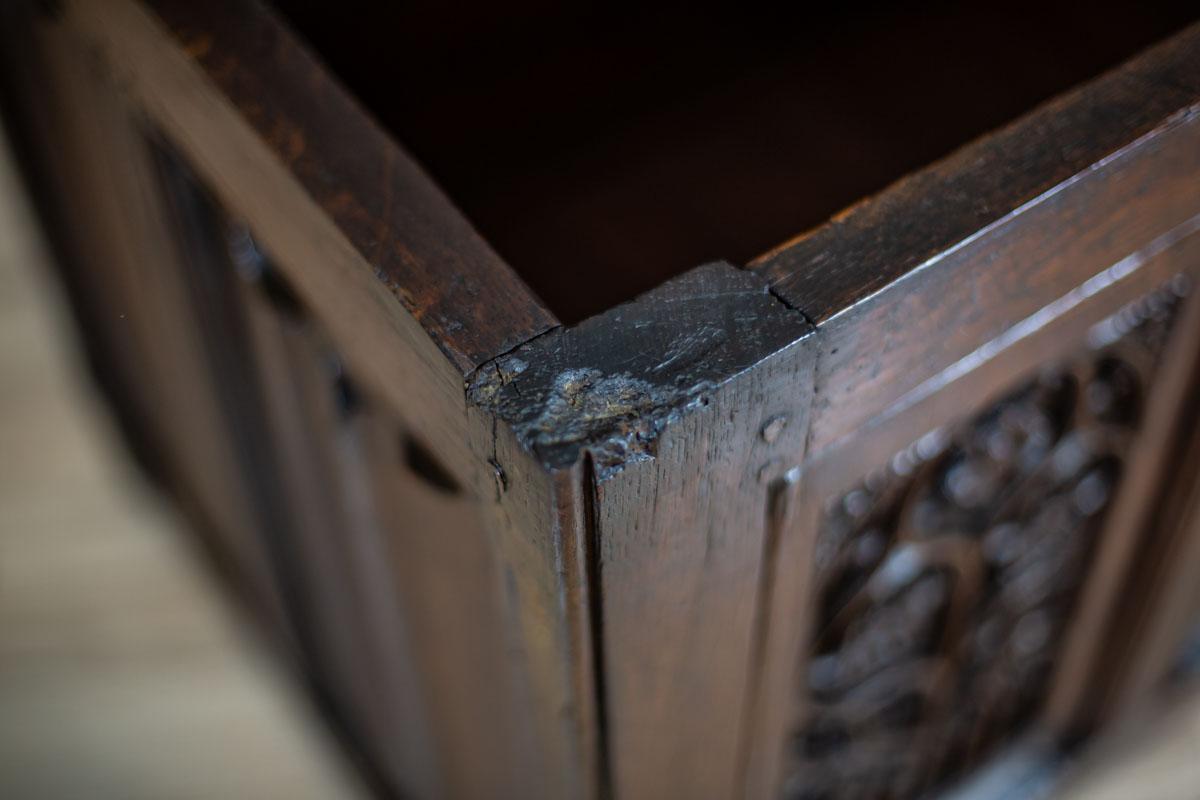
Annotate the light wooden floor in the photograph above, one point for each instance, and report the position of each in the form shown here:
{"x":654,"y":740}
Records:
{"x":123,"y":674}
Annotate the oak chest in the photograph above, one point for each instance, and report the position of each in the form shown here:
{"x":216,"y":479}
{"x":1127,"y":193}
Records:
{"x":681,"y":503}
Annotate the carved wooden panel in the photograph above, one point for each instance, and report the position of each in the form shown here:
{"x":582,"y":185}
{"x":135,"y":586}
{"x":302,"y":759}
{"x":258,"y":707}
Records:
{"x":946,"y":578}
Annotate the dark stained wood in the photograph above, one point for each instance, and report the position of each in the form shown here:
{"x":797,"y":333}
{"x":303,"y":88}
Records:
{"x":363,"y":610}
{"x":385,"y":563}
{"x":384,"y":345}
{"x":948,"y":577}
{"x":682,"y":540}
{"x":422,"y":249}
{"x":611,"y":383}
{"x":677,"y":414}
{"x":621,"y":520}
{"x":924,"y":217}
{"x":980,"y":309}
{"x":449,"y":589}
{"x":335,"y":540}
{"x":917,"y":334}
{"x":813,"y":490}
{"x":361,"y":651}
{"x":291,"y":414}
{"x":537,"y":534}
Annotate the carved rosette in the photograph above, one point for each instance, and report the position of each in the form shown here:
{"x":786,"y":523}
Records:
{"x":946,"y":578}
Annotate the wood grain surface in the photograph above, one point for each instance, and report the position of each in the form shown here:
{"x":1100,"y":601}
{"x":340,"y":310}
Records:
{"x":926,"y":216}
{"x":421,"y":248}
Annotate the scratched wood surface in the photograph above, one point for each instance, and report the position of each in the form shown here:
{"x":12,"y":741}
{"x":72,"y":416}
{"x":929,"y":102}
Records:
{"x":663,"y":399}
{"x":472,"y":305}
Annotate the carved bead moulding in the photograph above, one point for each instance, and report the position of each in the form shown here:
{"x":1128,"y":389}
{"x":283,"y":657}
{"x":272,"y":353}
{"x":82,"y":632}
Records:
{"x":945,"y":579}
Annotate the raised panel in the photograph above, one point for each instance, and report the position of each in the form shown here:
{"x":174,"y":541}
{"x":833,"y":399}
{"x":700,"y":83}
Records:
{"x":945,"y":580}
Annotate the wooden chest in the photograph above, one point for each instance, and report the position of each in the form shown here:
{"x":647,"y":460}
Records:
{"x":675,"y":506}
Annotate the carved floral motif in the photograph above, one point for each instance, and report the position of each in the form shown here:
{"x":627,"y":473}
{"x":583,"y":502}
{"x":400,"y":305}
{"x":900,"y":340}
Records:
{"x":947,"y":578}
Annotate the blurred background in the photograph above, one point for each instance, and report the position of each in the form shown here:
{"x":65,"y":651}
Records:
{"x":124,"y":673}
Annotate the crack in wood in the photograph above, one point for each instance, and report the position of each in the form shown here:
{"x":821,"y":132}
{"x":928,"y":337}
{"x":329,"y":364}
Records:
{"x":611,"y":384}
